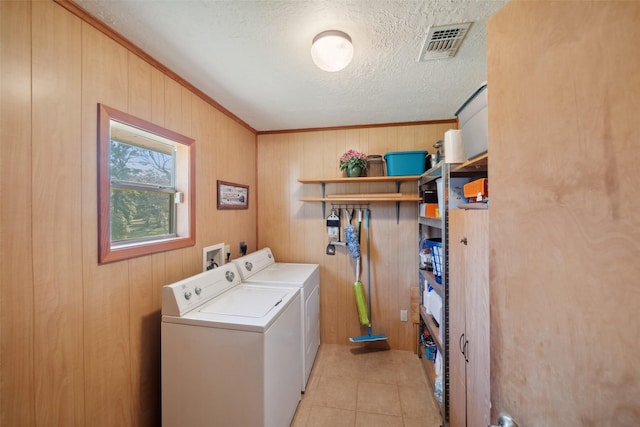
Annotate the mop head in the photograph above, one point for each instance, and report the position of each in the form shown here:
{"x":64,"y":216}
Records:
{"x":361,"y":303}
{"x":351,"y":235}
{"x":369,"y":338}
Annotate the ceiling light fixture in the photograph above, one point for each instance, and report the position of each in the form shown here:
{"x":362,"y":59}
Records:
{"x":331,"y":50}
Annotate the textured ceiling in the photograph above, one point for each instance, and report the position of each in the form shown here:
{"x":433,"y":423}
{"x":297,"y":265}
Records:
{"x":252,"y":57}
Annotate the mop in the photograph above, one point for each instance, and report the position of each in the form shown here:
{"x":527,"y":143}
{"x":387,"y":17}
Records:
{"x":369,"y":337}
{"x":351,"y":236}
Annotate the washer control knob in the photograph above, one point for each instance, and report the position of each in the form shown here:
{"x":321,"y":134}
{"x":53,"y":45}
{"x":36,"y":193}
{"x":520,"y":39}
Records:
{"x":248,"y":266}
{"x":229,"y":275}
{"x":198,"y":290}
{"x":187,"y":295}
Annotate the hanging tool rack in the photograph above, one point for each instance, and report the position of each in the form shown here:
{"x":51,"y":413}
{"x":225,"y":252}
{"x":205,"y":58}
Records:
{"x":349,"y":206}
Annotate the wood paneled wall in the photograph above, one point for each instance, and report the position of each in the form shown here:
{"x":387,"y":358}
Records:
{"x":296,"y":231}
{"x":80,"y":342}
{"x":565,"y":203}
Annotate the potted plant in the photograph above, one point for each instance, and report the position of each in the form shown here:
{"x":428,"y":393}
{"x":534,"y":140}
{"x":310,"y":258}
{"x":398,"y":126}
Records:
{"x":353,"y":162}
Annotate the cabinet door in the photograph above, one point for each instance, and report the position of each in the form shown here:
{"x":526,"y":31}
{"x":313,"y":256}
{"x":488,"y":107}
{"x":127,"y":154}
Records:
{"x":469,"y":318}
{"x":457,"y":316}
{"x":477,"y":318}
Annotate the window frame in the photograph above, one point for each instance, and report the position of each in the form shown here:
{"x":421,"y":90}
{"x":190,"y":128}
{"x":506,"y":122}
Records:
{"x":186,"y":215}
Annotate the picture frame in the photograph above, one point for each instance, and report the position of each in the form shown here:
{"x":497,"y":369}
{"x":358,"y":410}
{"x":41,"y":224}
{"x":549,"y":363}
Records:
{"x":232,"y":195}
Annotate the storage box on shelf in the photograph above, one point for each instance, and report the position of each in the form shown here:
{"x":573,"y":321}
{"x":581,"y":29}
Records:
{"x":477,"y":191}
{"x":429,"y":210}
{"x":473,"y":118}
{"x":406,"y":162}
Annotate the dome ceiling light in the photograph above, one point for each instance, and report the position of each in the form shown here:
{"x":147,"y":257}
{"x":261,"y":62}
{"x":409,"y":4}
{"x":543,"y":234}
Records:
{"x":332,"y":50}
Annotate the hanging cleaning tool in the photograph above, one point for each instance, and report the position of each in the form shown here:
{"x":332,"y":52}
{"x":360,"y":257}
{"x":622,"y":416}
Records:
{"x":351,"y":236}
{"x":333,"y":231}
{"x":369,"y":337}
{"x":361,"y":303}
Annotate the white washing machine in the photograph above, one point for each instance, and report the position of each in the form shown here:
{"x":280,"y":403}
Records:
{"x":230,"y":352}
{"x":261,"y":268}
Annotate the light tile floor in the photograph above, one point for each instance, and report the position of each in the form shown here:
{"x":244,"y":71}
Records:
{"x":356,"y":386}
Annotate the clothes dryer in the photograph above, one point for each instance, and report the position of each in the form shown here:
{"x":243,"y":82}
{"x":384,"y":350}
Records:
{"x":261,"y":269}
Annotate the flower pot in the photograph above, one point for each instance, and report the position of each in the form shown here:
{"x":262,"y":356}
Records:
{"x":354,"y":171}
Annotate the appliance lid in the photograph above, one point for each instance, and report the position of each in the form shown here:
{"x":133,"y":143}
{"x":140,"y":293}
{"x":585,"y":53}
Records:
{"x":246,"y":301}
{"x":247,"y":307}
{"x":288,"y":274}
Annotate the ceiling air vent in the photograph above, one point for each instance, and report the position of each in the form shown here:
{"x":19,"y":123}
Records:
{"x":444,"y":41}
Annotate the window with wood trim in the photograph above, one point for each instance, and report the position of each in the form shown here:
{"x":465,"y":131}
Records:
{"x":146,"y":187}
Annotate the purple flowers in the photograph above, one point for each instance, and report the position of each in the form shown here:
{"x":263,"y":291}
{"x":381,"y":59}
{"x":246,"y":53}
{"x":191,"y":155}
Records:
{"x":353,"y":158}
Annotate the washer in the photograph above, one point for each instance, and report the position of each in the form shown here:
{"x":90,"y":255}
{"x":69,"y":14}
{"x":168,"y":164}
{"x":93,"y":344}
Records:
{"x":230,"y":352}
{"x":261,"y":268}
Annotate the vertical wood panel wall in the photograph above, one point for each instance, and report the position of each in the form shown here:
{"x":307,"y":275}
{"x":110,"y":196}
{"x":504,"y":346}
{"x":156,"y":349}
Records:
{"x":80,"y":342}
{"x":565,"y":228}
{"x":296,"y":231}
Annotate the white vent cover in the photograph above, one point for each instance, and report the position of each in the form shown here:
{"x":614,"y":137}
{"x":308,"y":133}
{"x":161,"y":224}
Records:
{"x":443,"y":41}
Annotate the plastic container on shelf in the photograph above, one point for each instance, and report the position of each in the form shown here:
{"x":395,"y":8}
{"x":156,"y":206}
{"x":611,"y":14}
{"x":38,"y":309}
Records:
{"x":476,"y":191}
{"x":473,"y":118}
{"x":429,"y":210}
{"x":435,"y":249}
{"x":375,"y":165}
{"x":430,"y":351}
{"x":401,"y":163}
{"x":456,"y":192}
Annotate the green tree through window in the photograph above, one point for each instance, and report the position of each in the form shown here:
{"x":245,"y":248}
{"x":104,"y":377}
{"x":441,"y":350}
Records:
{"x":142,"y":191}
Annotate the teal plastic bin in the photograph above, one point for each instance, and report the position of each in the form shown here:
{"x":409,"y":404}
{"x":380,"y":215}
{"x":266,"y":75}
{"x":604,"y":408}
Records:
{"x":402,"y":163}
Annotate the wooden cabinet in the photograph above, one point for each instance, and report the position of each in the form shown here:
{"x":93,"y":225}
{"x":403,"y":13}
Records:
{"x":469,"y":363}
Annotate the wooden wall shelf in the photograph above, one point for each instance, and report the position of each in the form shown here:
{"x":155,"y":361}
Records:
{"x":363,"y":179}
{"x":396,"y":197}
{"x":362,"y":198}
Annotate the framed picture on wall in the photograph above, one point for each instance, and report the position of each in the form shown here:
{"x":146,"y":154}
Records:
{"x":232,"y":196}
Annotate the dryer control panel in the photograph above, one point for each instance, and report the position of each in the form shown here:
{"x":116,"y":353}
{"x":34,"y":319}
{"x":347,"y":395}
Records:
{"x":255,"y":262}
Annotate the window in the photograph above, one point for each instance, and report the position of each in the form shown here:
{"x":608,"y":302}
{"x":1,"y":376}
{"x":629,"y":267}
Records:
{"x":146,"y":199}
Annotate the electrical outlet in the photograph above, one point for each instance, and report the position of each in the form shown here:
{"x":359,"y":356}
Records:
{"x":403,"y":315}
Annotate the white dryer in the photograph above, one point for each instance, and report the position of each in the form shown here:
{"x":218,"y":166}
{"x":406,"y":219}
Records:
{"x":230,"y":352}
{"x":260,"y":268}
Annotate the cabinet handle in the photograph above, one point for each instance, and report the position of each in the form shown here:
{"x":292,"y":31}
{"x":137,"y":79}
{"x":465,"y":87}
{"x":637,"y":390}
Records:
{"x":466,"y":356}
{"x":460,"y":345}
{"x":464,"y":241}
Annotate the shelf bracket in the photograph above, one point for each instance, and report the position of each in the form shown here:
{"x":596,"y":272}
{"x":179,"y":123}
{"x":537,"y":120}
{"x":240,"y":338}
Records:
{"x":324,"y":204}
{"x":397,"y":203}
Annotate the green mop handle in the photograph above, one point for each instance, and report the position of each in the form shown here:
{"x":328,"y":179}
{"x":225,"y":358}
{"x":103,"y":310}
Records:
{"x":366,"y":225}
